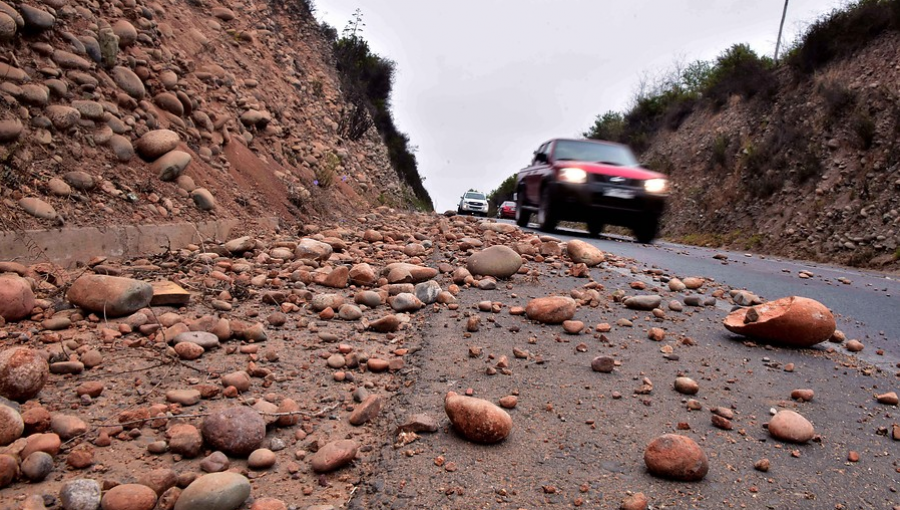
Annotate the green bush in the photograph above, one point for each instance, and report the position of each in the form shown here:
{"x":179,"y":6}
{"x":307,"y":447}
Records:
{"x":842,"y":32}
{"x":740,"y":71}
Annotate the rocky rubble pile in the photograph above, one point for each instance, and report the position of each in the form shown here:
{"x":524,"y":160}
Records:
{"x":141,"y":111}
{"x":262,"y":366}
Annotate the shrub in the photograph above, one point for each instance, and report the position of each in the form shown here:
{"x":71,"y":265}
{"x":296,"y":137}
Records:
{"x":608,"y":126}
{"x":864,"y":127}
{"x":842,"y":32}
{"x":721,"y":151}
{"x":740,"y":71}
{"x":837,"y":98}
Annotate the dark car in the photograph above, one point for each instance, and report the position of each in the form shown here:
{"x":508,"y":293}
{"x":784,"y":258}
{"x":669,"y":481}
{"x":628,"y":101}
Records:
{"x":507,"y":210}
{"x":600,"y":183}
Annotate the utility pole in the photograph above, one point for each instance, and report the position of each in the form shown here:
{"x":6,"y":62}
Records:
{"x":780,"y":28}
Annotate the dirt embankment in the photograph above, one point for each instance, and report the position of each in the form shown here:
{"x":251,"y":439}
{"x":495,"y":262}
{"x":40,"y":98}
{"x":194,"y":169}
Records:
{"x":812,"y":173}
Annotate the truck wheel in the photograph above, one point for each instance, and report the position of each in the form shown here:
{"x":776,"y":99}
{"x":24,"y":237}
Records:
{"x":646,"y":231}
{"x":522,"y":216}
{"x":547,"y":212}
{"x":595,"y":226}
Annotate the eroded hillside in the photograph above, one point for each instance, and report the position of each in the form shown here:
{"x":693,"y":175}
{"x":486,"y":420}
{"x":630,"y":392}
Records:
{"x":811,"y":171}
{"x":249,"y":88}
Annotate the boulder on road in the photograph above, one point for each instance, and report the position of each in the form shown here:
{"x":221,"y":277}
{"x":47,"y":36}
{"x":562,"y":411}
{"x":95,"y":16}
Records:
{"x":497,"y":261}
{"x":793,"y":321}
{"x":584,"y":253}
{"x":477,"y":419}
{"x":110,"y":295}
{"x":551,"y":309}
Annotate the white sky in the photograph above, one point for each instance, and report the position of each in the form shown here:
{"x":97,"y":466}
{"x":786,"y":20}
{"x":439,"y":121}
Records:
{"x":481,"y":84}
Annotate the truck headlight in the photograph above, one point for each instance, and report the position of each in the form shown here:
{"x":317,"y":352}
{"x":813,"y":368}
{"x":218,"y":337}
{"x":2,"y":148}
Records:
{"x":656,"y":185}
{"x":574,"y":175}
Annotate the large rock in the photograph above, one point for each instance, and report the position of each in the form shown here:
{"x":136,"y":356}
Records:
{"x":154,"y":144}
{"x":110,"y":295}
{"x":236,"y":430}
{"x":38,"y":208}
{"x":129,"y":82}
{"x":23,"y":373}
{"x":171,"y":165}
{"x":11,"y":425}
{"x":129,"y":496}
{"x":644,"y":302}
{"x":793,"y":321}
{"x":310,"y":249}
{"x":584,"y":253}
{"x":497,"y":261}
{"x":790,"y":426}
{"x":215,"y":491}
{"x":476,"y":419}
{"x":80,"y":494}
{"x":677,"y":458}
{"x":401,"y":272}
{"x":334,"y":455}
{"x":551,"y":309}
{"x":16,"y":297}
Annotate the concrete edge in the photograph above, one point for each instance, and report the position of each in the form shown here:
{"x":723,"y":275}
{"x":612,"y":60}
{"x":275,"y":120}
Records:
{"x":67,"y":246}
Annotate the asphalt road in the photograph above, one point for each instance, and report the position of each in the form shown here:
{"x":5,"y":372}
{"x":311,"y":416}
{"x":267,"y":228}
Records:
{"x":866,"y":308}
{"x":578,"y":436}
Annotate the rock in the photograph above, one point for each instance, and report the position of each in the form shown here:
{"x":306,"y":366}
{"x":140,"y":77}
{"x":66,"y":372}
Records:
{"x":159,"y":480}
{"x":10,"y":129}
{"x":67,"y":426}
{"x":406,"y":302}
{"x":11,"y":425}
{"x":223,"y":13}
{"x":8,"y":27}
{"x":10,"y":73}
{"x":156,"y":143}
{"x":36,"y":19}
{"x":262,"y":458}
{"x":186,"y":398}
{"x":47,"y":443}
{"x":686,"y":386}
{"x":127,"y":35}
{"x":16,"y":297}
{"x":215,"y":463}
{"x":363,"y":275}
{"x":171,"y":165}
{"x":82,"y":181}
{"x":23,"y":373}
{"x":80,"y":494}
{"x":476,"y":419}
{"x":604,"y":364}
{"x":129,"y":496}
{"x":62,"y":117}
{"x":793,"y":321}
{"x":203,"y":199}
{"x":111,"y":296}
{"x":37,"y":466}
{"x":386,"y":324}
{"x":236,"y":430}
{"x":584,"y":253}
{"x":185,"y":440}
{"x":790,"y":426}
{"x":497,"y":261}
{"x":239,"y":379}
{"x":551,"y":310}
{"x":693,"y":283}
{"x":676,"y":285}
{"x":170,"y":103}
{"x":122,"y":148}
{"x":130,"y":83}
{"x":889,"y":398}
{"x":367,"y":410}
{"x":277,"y":504}
{"x":334,"y":455}
{"x":854,"y":345}
{"x":89,"y":109}
{"x":189,"y":350}
{"x":38,"y":208}
{"x":635,"y":502}
{"x":59,"y":187}
{"x":9,"y":470}
{"x":644,"y":302}
{"x":215,"y":491}
{"x":427,"y":292}
{"x":803,"y":395}
{"x":201,"y":338}
{"x":310,"y":249}
{"x":677,"y":458}
{"x":240,"y":245}
{"x":401,"y":272}
{"x":418,"y":423}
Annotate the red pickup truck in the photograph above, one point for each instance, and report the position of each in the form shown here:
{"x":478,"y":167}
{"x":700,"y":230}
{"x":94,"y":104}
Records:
{"x":590,"y":181}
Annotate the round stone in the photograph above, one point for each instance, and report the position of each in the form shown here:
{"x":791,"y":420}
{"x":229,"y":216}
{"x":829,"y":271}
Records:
{"x":154,"y":144}
{"x":9,"y":470}
{"x":81,"y":494}
{"x":686,"y":386}
{"x":122,"y":148}
{"x":334,"y":455}
{"x":215,"y":491}
{"x":16,"y":297}
{"x":236,"y":430}
{"x":497,"y":261}
{"x":477,"y":419}
{"x":261,"y":459}
{"x":790,"y":426}
{"x":551,"y":310}
{"x":677,"y":458}
{"x":37,"y":466}
{"x":23,"y":373}
{"x":129,"y":82}
{"x":203,"y":199}
{"x":126,"y":32}
{"x":171,"y":165}
{"x":110,"y":295}
{"x":11,"y":425}
{"x":129,"y":496}
{"x":584,"y":253}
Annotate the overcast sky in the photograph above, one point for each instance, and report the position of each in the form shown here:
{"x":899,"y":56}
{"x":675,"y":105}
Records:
{"x":481,"y":84}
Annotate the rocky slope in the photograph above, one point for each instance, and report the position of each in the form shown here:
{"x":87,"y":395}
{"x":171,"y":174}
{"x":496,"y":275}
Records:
{"x":813,"y":173}
{"x":240,"y":99}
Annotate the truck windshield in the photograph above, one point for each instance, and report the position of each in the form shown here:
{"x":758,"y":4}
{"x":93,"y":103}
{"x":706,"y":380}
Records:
{"x":475,"y":196}
{"x":606,"y":153}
